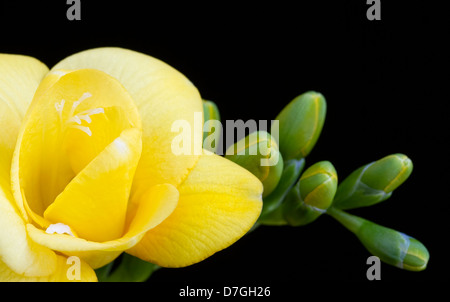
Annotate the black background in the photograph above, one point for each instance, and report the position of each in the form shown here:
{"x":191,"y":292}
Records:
{"x":384,"y":84}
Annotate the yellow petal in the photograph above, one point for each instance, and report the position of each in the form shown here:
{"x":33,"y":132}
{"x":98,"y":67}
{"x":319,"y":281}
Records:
{"x":17,"y":251}
{"x":64,"y":272}
{"x":157,"y":204}
{"x":74,"y":115}
{"x":19,"y":78}
{"x":219,"y":202}
{"x":162,"y":95}
{"x":94,"y":203}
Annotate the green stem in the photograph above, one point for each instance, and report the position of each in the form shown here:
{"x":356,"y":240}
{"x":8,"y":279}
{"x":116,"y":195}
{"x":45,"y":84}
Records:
{"x":351,"y":222}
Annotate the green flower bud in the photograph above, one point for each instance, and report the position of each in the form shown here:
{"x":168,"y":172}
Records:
{"x":300,"y":124}
{"x":258,"y":153}
{"x":373,"y":183}
{"x":212,"y":128}
{"x":392,"y":247}
{"x":312,"y":195}
{"x":318,"y":185}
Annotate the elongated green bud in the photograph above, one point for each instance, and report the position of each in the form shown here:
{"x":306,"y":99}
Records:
{"x":312,"y":195}
{"x":212,"y":127}
{"x":258,"y":153}
{"x":300,"y":124}
{"x":392,"y":247}
{"x":374,"y":182}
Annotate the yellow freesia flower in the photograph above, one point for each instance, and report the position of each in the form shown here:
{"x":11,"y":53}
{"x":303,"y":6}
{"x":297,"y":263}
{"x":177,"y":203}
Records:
{"x":86,"y":168}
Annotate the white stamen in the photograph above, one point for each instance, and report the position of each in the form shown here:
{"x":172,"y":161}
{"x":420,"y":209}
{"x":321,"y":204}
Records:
{"x":59,"y":228}
{"x":78,"y":102}
{"x":83,"y":128}
{"x":92,"y":111}
{"x":86,"y":115}
{"x":86,"y":118}
{"x":75,"y":119}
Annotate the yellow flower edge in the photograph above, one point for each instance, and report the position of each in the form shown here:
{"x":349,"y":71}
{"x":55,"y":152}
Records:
{"x":180,"y":210}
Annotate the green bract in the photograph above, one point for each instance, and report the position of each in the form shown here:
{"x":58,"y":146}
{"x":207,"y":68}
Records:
{"x":258,"y":153}
{"x":272,"y":211}
{"x":374,"y":182}
{"x":300,"y":124}
{"x":390,"y":246}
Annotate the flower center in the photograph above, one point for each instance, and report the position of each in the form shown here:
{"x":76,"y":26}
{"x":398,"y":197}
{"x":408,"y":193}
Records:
{"x":74,"y":120}
{"x":67,"y":168}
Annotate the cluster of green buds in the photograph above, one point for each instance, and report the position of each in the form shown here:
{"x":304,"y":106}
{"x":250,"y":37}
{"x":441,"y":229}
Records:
{"x":295,"y":198}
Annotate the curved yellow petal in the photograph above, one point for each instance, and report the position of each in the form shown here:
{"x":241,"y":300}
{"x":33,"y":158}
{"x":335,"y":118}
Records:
{"x":157,"y":204}
{"x":94,"y":203}
{"x":17,"y":251}
{"x":74,"y":115}
{"x":162,"y":95}
{"x":19,"y":78}
{"x":219,"y":202}
{"x":64,"y":272}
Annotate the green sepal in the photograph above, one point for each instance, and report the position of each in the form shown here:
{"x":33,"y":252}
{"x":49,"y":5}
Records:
{"x":373,"y":183}
{"x":296,"y":212}
{"x":272,"y":213}
{"x":129,"y":269}
{"x":300,"y":125}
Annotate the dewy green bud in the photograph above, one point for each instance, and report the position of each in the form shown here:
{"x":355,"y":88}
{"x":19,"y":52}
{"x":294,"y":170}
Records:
{"x":212,"y":127}
{"x":318,"y":185}
{"x":390,"y":246}
{"x":259,"y":154}
{"x":374,"y":182}
{"x":312,"y":195}
{"x":300,"y":124}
